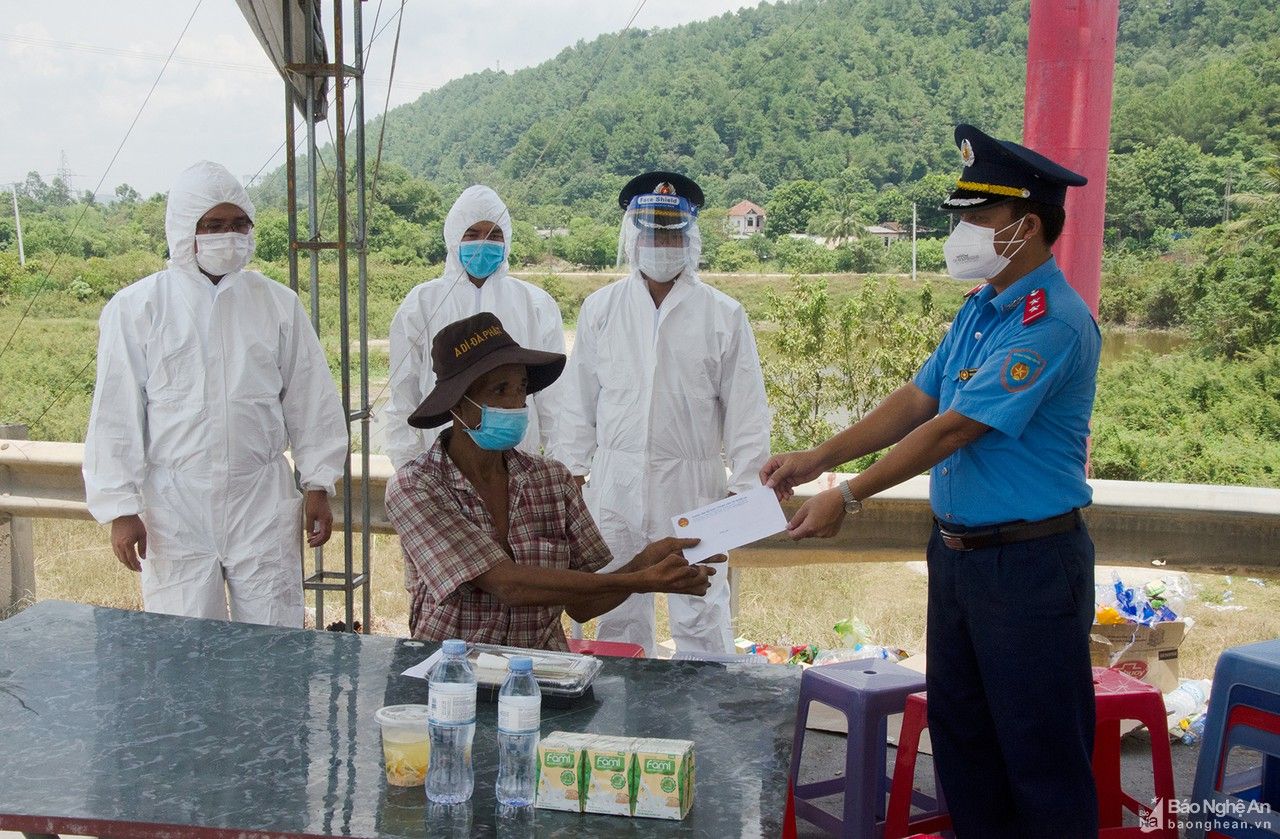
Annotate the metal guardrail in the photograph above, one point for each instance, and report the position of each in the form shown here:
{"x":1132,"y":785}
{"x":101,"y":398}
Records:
{"x":1191,"y":527}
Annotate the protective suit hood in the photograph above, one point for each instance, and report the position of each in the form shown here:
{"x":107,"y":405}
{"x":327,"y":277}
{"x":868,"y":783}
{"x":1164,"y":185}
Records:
{"x":476,"y":203}
{"x":196,"y":191}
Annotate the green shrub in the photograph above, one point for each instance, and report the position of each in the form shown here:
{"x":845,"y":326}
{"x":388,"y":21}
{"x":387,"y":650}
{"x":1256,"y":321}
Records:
{"x":829,"y":363}
{"x":1183,"y":418}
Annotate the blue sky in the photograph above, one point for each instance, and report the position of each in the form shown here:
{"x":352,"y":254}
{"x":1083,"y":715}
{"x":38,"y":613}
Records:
{"x":77,"y":71}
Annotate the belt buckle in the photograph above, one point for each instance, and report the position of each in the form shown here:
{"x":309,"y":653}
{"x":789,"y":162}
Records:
{"x":953,"y":541}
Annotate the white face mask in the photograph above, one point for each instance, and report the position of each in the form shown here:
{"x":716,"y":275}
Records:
{"x":660,"y":264}
{"x":219,"y":254}
{"x":971,"y":251}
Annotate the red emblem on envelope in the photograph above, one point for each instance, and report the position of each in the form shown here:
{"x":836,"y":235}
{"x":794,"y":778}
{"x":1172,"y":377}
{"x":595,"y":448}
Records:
{"x":1035,"y":308}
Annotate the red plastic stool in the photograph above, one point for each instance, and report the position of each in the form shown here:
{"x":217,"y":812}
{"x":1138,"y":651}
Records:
{"x":1117,"y":697}
{"x":897,"y":821}
{"x":615,"y":649}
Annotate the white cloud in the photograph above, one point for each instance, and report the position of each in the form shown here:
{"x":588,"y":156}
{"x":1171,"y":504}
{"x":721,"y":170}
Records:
{"x":78,"y":70}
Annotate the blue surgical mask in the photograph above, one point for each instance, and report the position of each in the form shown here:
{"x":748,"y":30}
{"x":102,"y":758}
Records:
{"x":480,"y":259}
{"x":500,"y":428}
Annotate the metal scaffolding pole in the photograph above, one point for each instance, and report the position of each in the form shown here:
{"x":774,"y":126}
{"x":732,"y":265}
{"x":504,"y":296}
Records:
{"x":311,"y":69}
{"x":362,"y":299}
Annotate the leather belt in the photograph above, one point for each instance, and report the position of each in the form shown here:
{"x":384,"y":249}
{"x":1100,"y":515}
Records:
{"x":1006,"y":534}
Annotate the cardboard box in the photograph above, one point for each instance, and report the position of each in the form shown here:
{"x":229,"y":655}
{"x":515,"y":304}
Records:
{"x":1148,"y":653}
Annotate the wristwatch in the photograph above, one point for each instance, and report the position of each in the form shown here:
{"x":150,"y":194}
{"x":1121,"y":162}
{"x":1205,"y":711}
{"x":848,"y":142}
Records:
{"x":851,"y":504}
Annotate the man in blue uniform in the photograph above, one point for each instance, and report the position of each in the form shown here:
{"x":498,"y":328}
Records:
{"x":1000,"y":414}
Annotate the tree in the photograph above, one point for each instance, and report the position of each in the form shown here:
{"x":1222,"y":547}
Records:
{"x":271,"y":232}
{"x":793,"y":206}
{"x":589,"y":244}
{"x":745,"y":186}
{"x":527,"y":247}
{"x":126,"y":194}
{"x":35,"y":189}
{"x":842,"y":222}
{"x":732,"y":256}
{"x":58,"y":194}
{"x":804,"y":256}
{"x":413,"y":199}
{"x":1172,"y":185}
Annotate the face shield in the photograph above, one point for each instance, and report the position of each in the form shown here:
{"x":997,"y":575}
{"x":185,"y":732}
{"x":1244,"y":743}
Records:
{"x":660,"y":236}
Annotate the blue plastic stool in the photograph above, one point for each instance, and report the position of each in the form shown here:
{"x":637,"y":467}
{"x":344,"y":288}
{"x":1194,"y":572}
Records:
{"x":867,"y":692}
{"x":1244,"y":704}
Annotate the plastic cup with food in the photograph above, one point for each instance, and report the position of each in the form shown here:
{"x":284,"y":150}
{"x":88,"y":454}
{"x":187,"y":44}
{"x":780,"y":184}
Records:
{"x":406,"y":743}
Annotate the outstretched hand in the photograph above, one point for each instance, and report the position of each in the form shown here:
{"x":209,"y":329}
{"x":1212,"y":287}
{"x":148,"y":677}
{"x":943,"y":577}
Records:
{"x":819,"y":517}
{"x":784,"y":472}
{"x":655,"y":552}
{"x":674,"y":575}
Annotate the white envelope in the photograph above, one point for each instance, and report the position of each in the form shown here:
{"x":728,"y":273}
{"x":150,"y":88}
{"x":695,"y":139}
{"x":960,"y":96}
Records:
{"x":730,"y":523}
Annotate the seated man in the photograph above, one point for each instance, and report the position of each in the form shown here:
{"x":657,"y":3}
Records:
{"x":498,"y":543}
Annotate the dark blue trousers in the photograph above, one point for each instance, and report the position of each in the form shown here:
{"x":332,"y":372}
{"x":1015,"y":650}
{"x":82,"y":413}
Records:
{"x":1011,"y":708}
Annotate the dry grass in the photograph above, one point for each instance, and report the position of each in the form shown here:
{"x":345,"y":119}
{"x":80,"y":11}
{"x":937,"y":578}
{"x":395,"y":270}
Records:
{"x":800,"y":604}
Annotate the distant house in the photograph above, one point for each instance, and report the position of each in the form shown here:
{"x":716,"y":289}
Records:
{"x":889,"y":232}
{"x":745,"y":219}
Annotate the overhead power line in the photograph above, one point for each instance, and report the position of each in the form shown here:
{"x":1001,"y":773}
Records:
{"x":214,"y":64}
{"x":45,"y":279}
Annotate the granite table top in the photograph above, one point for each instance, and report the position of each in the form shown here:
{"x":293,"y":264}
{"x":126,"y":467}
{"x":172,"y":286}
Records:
{"x":122,"y":723}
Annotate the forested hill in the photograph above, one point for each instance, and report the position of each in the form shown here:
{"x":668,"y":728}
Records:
{"x":861,"y":90}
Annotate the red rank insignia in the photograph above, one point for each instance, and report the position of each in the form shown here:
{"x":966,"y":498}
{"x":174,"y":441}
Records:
{"x":975,"y":289}
{"x":1036,"y":307}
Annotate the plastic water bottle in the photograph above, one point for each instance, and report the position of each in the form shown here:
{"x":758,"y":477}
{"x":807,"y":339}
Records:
{"x":451,"y":720}
{"x":1194,"y":732}
{"x":1187,"y":699}
{"x":519,"y":721}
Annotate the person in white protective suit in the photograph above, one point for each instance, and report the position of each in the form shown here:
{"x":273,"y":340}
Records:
{"x":207,"y":372}
{"x":477,"y":237}
{"x":662,"y":392}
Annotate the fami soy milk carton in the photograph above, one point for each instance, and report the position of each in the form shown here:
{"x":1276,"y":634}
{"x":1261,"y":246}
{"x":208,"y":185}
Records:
{"x":560,"y":775}
{"x":664,"y":778}
{"x":609,"y":775}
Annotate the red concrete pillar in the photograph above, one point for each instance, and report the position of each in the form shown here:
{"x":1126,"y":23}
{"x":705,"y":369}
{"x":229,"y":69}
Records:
{"x":1071,"y":58}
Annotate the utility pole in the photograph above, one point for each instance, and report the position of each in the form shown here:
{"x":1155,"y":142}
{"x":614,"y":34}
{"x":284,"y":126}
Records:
{"x":17,"y":219}
{"x":913,"y":241}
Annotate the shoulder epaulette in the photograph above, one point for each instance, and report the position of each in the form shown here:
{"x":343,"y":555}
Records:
{"x":1036,"y":307}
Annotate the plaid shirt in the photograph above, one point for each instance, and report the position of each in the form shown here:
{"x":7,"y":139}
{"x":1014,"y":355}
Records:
{"x":448,"y":539}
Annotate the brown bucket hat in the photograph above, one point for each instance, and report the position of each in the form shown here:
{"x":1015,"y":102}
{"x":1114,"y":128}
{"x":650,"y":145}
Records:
{"x":467,"y":349}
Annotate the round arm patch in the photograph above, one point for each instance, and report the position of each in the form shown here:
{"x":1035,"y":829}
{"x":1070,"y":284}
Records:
{"x":1020,"y":370}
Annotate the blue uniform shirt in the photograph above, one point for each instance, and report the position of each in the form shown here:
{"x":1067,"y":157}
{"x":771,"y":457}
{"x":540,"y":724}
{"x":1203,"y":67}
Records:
{"x":1033,"y":383}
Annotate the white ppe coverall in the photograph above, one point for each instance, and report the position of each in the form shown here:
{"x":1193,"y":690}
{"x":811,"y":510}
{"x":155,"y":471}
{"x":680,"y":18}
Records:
{"x":656,"y":404}
{"x":200,"y":390}
{"x":529,"y":314}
